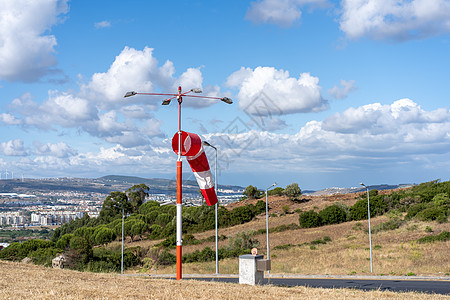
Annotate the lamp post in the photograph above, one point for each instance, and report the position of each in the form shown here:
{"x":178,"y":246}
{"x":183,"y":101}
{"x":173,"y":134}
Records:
{"x":123,"y":220}
{"x":179,"y":96}
{"x":215,"y":206}
{"x":370,"y":236}
{"x":267,"y":222}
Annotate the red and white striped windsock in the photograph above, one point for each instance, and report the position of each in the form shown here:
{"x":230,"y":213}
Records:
{"x":191,"y":147}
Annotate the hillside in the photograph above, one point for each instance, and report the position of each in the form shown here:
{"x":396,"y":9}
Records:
{"x":25,"y":281}
{"x":303,"y":250}
{"x":309,"y":235}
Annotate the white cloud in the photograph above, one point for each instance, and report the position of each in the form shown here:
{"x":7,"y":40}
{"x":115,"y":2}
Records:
{"x":13,"y":148}
{"x":267,"y":91}
{"x":280,"y":12}
{"x":102,"y":24}
{"x":26,"y":48}
{"x":343,"y":91}
{"x":382,"y":136}
{"x":60,"y":149}
{"x":132,"y":70}
{"x":395,"y":19}
{"x":9,"y":119}
{"x":63,"y":109}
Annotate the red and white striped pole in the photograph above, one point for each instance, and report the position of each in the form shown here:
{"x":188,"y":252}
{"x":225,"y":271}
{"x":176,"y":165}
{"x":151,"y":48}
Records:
{"x":179,"y":192}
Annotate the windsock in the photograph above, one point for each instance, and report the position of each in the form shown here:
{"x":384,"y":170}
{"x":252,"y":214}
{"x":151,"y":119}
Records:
{"x":191,"y":147}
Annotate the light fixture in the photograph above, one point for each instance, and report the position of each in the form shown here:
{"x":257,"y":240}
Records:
{"x":226,"y":100}
{"x":129,"y":94}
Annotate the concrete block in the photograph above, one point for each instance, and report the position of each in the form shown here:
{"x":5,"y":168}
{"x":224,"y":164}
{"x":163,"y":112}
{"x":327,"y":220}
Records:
{"x":248,"y":273}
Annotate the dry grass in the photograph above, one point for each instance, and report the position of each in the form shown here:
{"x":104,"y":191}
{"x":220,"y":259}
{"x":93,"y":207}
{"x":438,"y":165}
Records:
{"x":395,"y":252}
{"x":22,"y":281}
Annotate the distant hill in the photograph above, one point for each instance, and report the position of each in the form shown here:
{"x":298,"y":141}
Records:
{"x":339,"y":190}
{"x":103,"y":185}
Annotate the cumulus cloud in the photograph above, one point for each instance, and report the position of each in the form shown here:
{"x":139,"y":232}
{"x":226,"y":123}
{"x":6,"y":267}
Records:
{"x":63,"y":109}
{"x":343,"y":91}
{"x":379,"y":135}
{"x":378,"y":119}
{"x":279,"y":12}
{"x":266,"y":91}
{"x":60,"y":149}
{"x":13,"y":148}
{"x":26,"y":48}
{"x":395,"y":20}
{"x":9,"y":119}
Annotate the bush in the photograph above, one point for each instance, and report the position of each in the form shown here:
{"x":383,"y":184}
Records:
{"x":278,"y":191}
{"x":431,"y":214}
{"x":414,"y":209}
{"x":309,"y":219}
{"x":389,"y":225}
{"x":359,"y":210}
{"x":166,"y":258}
{"x":207,"y":254}
{"x":442,"y":237}
{"x":18,"y":251}
{"x":44,"y":256}
{"x":333,"y":214}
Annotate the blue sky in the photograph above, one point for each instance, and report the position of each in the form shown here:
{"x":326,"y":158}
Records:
{"x":326,"y":93}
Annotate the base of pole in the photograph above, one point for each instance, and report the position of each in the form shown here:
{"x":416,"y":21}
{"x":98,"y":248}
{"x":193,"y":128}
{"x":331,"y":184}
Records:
{"x":179,"y":253}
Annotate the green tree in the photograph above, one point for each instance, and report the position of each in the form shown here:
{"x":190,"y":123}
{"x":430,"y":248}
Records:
{"x":139,"y":228}
{"x":252,"y":192}
{"x":113,"y":205}
{"x":293,"y":191}
{"x":104,"y":235}
{"x":148,"y":207}
{"x":136,"y":195}
{"x":64,"y":241}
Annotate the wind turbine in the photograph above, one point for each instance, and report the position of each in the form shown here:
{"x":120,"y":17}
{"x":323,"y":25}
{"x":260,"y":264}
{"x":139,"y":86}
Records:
{"x":6,"y":173}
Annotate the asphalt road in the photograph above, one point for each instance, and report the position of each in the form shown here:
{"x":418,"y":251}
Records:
{"x":424,"y":286}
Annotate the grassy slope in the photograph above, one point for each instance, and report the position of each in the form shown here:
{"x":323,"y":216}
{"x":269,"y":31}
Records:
{"x":24,"y":281}
{"x":395,"y":252}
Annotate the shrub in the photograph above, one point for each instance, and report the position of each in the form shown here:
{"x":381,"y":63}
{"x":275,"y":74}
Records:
{"x":359,"y":210}
{"x":166,"y":258}
{"x":309,"y":219}
{"x":333,"y":214}
{"x":414,"y":209}
{"x":431,"y":214}
{"x":389,"y":225}
{"x":43,"y":256}
{"x":18,"y":251}
{"x":278,"y":191}
{"x":442,"y":237}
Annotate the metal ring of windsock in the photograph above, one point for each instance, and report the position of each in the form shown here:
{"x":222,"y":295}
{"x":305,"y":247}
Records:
{"x":191,"y":147}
